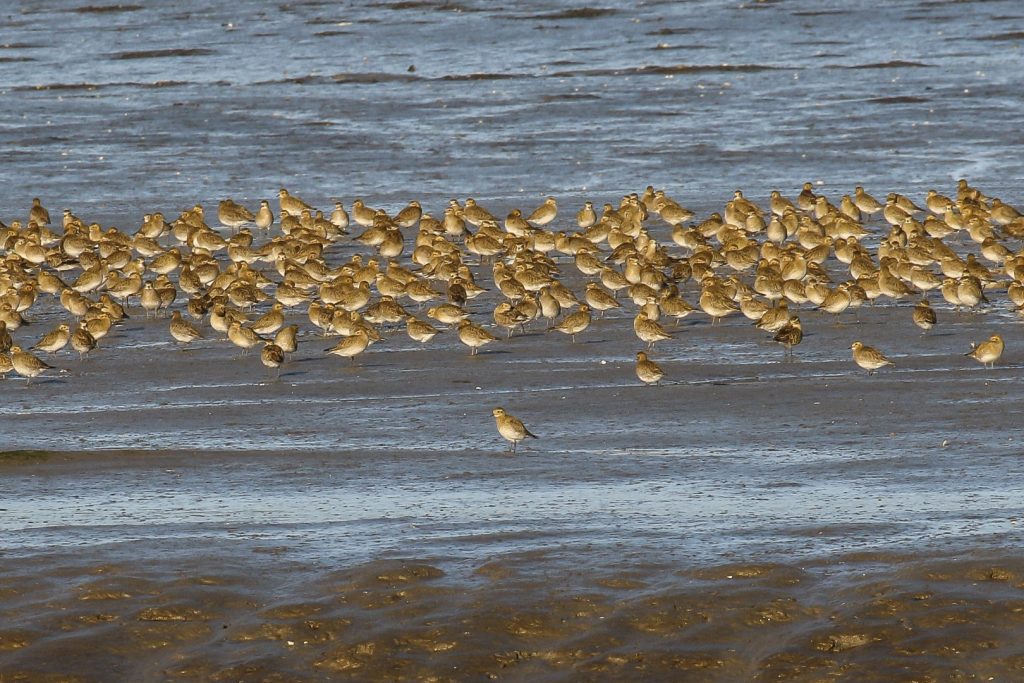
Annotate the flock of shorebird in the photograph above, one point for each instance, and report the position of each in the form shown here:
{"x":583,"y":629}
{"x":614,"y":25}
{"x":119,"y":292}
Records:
{"x":749,"y":259}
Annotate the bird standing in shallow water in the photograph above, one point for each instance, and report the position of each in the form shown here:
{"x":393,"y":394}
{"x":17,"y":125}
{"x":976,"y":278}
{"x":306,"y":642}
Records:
{"x":791,"y":334}
{"x":511,"y":428}
{"x":574,"y":323}
{"x":647,"y":370}
{"x":53,"y":341}
{"x":265,"y":216}
{"x":286,"y":338}
{"x":924,"y":315}
{"x":868,"y":358}
{"x":474,"y":336}
{"x":272,"y":356}
{"x":182,"y":330}
{"x":234,"y":215}
{"x":38,"y":213}
{"x":82,"y":341}
{"x":351,"y":346}
{"x":987,"y":352}
{"x":243,"y":337}
{"x":544,"y":214}
{"x":27,"y":365}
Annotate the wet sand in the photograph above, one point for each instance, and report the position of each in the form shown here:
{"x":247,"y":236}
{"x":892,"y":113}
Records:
{"x":245,"y":612}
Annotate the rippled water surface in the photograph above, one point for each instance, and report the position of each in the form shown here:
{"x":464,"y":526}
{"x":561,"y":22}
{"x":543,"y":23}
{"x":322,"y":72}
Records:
{"x":676,"y":505}
{"x":114,"y":110}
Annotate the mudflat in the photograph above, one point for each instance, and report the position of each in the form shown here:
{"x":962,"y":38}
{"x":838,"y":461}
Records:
{"x":245,"y":610}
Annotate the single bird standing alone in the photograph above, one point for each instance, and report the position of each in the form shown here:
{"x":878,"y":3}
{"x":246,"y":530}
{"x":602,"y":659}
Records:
{"x":510,"y":427}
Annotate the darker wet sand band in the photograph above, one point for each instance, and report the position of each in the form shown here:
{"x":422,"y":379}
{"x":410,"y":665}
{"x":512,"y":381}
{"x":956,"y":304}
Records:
{"x":866,"y":617}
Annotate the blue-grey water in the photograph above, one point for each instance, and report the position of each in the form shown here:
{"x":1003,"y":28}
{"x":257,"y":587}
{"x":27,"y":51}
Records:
{"x":118,"y":110}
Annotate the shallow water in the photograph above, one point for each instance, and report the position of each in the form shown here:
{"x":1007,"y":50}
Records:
{"x":672,"y":506}
{"x":118,"y":110}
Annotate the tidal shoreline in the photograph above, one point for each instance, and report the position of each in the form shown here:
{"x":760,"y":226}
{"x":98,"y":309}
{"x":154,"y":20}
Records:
{"x":231,"y":612}
{"x":413,"y":566}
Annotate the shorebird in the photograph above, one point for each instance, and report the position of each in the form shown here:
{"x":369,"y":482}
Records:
{"x":865,"y":202}
{"x":27,"y":365}
{"x":351,"y":346}
{"x":806,"y":199}
{"x":453,"y":223}
{"x":286,"y":338}
{"x":598,"y":299}
{"x":419,"y":330}
{"x":647,"y":370}
{"x":243,"y":337}
{"x":511,"y":428}
{"x":98,"y":324}
{"x":970,"y":291}
{"x":421,"y":292}
{"x":271,"y":321}
{"x":938,"y":204}
{"x":672,"y":305}
{"x":648,"y":330}
{"x":82,"y":341}
{"x":449,"y":314}
{"x":753,"y":308}
{"x":387,"y":310}
{"x":409,"y":216}
{"x":221,"y":318}
{"x":457,"y":291}
{"x":790,"y":334}
{"x":586,"y":217}
{"x":544,"y":214}
{"x":506,"y":315}
{"x":182,"y":330}
{"x":474,"y":336}
{"x":924,"y":315}
{"x":149,"y":299}
{"x":549,"y":306}
{"x":987,"y":352}
{"x":775,"y":318}
{"x":362,"y":214}
{"x":716,"y":304}
{"x":575,"y":323}
{"x":55,"y":340}
{"x":291,"y":205}
{"x":38,"y":213}
{"x":233,"y":215}
{"x":868,"y":358}
{"x":674,"y":214}
{"x":1001,"y":214}
{"x":339,"y":217}
{"x":264,"y":216}
{"x":837,"y":301}
{"x":272,"y":356}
